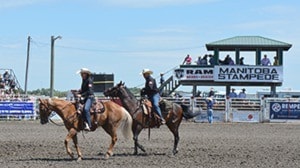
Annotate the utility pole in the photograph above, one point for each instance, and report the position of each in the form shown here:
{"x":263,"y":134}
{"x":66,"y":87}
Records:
{"x":27,"y":64}
{"x":52,"y":64}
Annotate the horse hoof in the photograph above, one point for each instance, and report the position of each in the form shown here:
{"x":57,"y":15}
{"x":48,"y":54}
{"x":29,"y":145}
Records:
{"x":175,"y":152}
{"x":79,"y":159}
{"x":106,"y":157}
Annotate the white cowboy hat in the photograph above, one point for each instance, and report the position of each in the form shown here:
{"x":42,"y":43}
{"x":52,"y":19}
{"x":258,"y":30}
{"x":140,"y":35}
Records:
{"x":209,"y":98}
{"x":146,"y":71}
{"x":84,"y":70}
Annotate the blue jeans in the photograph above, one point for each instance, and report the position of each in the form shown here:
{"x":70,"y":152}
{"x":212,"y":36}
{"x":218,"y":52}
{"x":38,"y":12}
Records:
{"x":86,"y":110}
{"x":210,"y":115}
{"x":155,"y":103}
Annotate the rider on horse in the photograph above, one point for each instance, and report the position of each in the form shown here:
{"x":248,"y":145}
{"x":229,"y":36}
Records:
{"x":87,"y":94}
{"x":152,"y":92}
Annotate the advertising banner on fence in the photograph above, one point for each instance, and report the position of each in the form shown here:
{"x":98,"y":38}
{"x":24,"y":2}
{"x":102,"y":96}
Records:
{"x":245,"y":116}
{"x":197,"y":73}
{"x":284,"y":110}
{"x":16,"y":108}
{"x":271,"y":74}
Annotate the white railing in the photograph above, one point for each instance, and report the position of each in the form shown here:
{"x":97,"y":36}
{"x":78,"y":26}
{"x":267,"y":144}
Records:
{"x":236,"y":110}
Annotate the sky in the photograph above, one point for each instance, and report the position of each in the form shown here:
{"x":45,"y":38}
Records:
{"x":125,"y":36}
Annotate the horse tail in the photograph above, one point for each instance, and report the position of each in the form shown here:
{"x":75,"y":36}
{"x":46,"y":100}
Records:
{"x":126,"y":124}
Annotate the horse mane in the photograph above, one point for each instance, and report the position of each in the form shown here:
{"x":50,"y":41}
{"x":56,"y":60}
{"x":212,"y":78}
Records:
{"x":52,"y":102}
{"x":130,"y":94}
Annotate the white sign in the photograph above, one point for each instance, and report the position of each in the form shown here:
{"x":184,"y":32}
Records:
{"x":245,"y":116}
{"x":248,"y":74}
{"x":198,"y":73}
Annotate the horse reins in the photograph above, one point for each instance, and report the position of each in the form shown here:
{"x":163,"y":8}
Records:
{"x":65,"y":120}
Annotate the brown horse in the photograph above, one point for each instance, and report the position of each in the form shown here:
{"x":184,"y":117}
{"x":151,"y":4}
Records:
{"x":114,"y":116}
{"x":172,"y":113}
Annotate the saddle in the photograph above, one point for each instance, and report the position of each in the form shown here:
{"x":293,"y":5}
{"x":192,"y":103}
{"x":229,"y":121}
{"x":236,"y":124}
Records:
{"x":97,"y":107}
{"x":149,"y":113}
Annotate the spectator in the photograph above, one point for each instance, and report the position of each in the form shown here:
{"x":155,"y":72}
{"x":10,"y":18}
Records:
{"x":226,"y":61}
{"x":265,"y":61}
{"x":187,"y":60}
{"x":276,"y":62}
{"x":242,"y":94}
{"x":198,"y":94}
{"x":199,"y":60}
{"x":162,"y":79}
{"x":2,"y":84}
{"x":231,"y":62}
{"x":211,"y":60}
{"x":12,"y":86}
{"x":210,"y":102}
{"x":6,"y":77}
{"x":232,"y":94}
{"x":211,"y":92}
{"x":203,"y":61}
{"x":241,"y":61}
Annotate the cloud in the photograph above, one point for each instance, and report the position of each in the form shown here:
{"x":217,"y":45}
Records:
{"x":151,"y":3}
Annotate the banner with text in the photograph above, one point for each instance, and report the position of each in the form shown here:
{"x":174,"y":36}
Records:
{"x":248,"y":74}
{"x":198,"y":73}
{"x":284,"y":110}
{"x":17,"y":108}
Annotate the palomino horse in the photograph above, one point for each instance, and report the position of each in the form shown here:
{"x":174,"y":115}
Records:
{"x":172,"y":113}
{"x":114,"y":116}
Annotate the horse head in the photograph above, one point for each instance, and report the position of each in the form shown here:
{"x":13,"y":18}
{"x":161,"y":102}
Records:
{"x":45,"y":111}
{"x":114,"y":91}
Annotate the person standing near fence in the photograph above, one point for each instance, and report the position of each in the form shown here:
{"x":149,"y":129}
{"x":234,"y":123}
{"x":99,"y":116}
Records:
{"x":210,"y":103}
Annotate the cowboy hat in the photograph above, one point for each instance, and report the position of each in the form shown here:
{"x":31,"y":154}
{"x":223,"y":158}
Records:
{"x":209,"y":98}
{"x":84,"y":70}
{"x":146,"y":71}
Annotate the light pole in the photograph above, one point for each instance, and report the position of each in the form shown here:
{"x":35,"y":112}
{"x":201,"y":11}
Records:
{"x":52,"y":64}
{"x":27,"y":64}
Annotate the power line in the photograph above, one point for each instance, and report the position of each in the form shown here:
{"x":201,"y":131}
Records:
{"x":42,"y":44}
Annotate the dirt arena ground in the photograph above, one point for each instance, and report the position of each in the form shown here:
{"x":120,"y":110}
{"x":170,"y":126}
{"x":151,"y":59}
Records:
{"x":29,"y":144}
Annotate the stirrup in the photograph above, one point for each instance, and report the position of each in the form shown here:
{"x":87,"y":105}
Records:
{"x":162,"y":121}
{"x":86,"y":127}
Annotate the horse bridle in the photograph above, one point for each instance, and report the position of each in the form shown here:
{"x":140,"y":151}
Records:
{"x":65,"y":120}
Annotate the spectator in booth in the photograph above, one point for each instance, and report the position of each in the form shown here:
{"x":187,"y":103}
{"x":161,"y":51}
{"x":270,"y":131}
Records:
{"x":187,"y":60}
{"x":265,"y":61}
{"x":198,"y":62}
{"x":242,"y":94}
{"x":232,"y":94}
{"x":241,"y":61}
{"x":210,"y":103}
{"x":226,"y":61}
{"x":231,"y":62}
{"x":203,"y":61}
{"x":276,"y":62}
{"x":211,"y":60}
